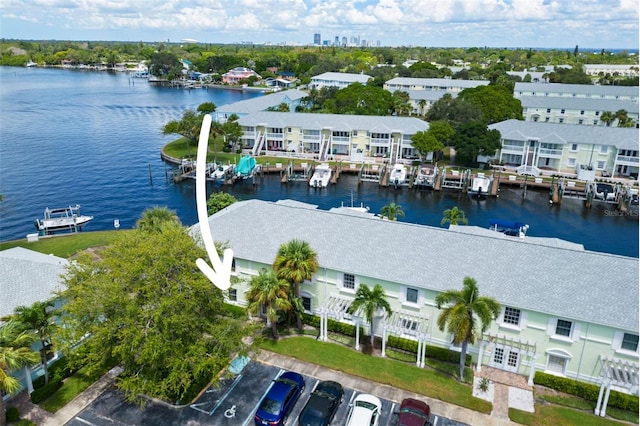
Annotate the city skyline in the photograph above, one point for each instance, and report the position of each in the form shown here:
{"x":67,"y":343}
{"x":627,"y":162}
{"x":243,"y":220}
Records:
{"x":608,"y":24}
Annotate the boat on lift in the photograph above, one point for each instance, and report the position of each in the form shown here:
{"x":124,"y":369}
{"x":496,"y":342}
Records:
{"x":321,"y":176}
{"x":398,"y":175}
{"x":62,"y":219}
{"x":480,"y":186}
{"x":426,"y":176}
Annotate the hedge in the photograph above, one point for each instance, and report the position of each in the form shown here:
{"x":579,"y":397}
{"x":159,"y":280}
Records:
{"x":234,"y":311}
{"x":46,"y":391}
{"x":59,"y":369}
{"x":586,"y":391}
{"x":441,"y":354}
{"x":13,"y":415}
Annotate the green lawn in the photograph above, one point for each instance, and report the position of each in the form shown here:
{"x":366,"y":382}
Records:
{"x":71,"y":388}
{"x":427,"y":382}
{"x":65,"y":245}
{"x":554,"y":415}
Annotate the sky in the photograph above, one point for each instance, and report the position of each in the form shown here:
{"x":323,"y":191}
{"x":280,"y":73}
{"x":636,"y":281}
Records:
{"x":598,"y":24}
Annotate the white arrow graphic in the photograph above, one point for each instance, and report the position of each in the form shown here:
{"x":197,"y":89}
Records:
{"x":220,"y":274}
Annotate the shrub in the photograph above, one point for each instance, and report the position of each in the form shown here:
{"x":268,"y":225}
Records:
{"x":234,"y":311}
{"x":441,"y":354}
{"x":586,"y":391}
{"x":13,"y":415}
{"x":46,"y":391}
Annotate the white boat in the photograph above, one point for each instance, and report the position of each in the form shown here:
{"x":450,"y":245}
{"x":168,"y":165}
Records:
{"x":426,"y":176}
{"x":605,"y":192}
{"x":321,"y":176}
{"x":66,"y":218}
{"x":480,"y":186}
{"x":31,"y":64}
{"x":222,"y":172}
{"x":398,"y":175}
{"x":508,"y":227}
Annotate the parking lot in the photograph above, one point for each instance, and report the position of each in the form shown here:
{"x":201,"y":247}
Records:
{"x":232,"y":401}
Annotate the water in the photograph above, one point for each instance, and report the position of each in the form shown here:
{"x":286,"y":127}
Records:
{"x":94,"y":139}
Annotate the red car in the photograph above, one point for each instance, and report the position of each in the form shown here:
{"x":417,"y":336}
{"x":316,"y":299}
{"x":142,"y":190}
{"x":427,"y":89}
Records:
{"x":414,"y":412}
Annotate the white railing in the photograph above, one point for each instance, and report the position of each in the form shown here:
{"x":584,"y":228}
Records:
{"x":626,"y":159}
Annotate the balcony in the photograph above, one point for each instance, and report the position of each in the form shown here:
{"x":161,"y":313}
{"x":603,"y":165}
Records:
{"x":626,"y":160}
{"x":550,"y":153}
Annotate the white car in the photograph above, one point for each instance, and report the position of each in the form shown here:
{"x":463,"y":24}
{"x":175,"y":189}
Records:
{"x":365,"y":411}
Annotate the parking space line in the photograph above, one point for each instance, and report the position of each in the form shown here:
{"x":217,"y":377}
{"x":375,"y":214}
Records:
{"x":435,"y":421}
{"x":233,"y":385}
{"x":81,"y":420}
{"x":253,"y":410}
{"x":393,"y":405}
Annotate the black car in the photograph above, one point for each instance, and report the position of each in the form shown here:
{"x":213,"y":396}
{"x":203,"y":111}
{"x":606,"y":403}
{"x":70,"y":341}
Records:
{"x":322,"y":405}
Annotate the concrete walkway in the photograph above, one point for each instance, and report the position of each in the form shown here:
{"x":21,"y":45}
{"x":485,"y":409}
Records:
{"x":500,"y":394}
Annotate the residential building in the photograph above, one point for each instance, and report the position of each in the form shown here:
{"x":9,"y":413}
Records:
{"x":578,"y":317}
{"x":352,"y":136}
{"x":595,"y":70}
{"x":569,"y":110}
{"x":26,"y":277}
{"x":565,"y":148}
{"x":621,"y":93}
{"x":432,"y":84}
{"x":261,"y":103}
{"x":337,"y":79}
{"x":235,"y":75}
{"x":421,"y":101}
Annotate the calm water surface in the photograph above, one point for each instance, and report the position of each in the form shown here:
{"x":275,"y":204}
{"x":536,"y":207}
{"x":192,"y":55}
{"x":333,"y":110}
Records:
{"x":94,"y":139}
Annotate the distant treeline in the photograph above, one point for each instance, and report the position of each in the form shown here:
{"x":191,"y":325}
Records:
{"x":382,"y":63}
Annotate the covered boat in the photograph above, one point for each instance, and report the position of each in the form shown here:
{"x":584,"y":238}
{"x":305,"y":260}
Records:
{"x":246,"y":167}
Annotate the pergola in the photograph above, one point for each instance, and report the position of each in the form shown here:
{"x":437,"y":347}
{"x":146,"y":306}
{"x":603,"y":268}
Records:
{"x":615,"y":372}
{"x":524,"y":347}
{"x":400,"y":323}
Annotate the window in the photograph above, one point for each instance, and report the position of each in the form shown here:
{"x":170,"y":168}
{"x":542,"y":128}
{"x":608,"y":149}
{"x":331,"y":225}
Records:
{"x":582,"y":112}
{"x":412,"y":295}
{"x":563,"y":328}
{"x":548,"y":110}
{"x":561,"y":120}
{"x":571,"y":162}
{"x":233,"y":295}
{"x":600,"y":165}
{"x":306,"y":303}
{"x":581,"y":121}
{"x":349,"y":281}
{"x":511,"y":316}
{"x":629,"y":342}
{"x":597,"y":113}
{"x":409,"y":324}
{"x":562,"y":111}
{"x":604,"y":149}
{"x":556,"y":364}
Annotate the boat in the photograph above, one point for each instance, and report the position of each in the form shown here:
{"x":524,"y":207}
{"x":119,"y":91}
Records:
{"x":480,"y":186}
{"x":398,"y":175}
{"x":66,"y":218}
{"x":605,"y":192}
{"x":510,"y":228}
{"x":246,"y":167}
{"x":321,"y":176}
{"x":426,"y":176}
{"x":31,"y":64}
{"x":222,"y":172}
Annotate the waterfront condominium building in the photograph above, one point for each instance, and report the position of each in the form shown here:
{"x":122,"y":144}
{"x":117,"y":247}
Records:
{"x":578,"y":317}
{"x":620,"y":93}
{"x":570,"y":110}
{"x":337,"y":79}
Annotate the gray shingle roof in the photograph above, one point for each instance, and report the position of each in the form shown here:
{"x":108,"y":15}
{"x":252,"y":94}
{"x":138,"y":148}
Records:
{"x":342,"y":76}
{"x":260,"y":103}
{"x":336,"y":122}
{"x":588,"y":89}
{"x":618,"y":137}
{"x":589,"y":104}
{"x":27,"y":276}
{"x":438,"y":82}
{"x":580,"y":285}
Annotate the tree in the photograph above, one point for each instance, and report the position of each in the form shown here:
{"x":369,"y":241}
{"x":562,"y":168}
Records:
{"x":153,"y":219}
{"x":15,"y":353}
{"x":495,"y":101}
{"x":218,"y":201}
{"x":271,"y":292}
{"x":453,"y":110}
{"x":232,"y":131}
{"x":206,"y":108}
{"x":441,"y":130}
{"x":370,"y":302}
{"x":453,"y":216}
{"x":187,"y":127}
{"x":607,"y":118}
{"x":622,"y":116}
{"x":461,"y":317}
{"x":360,"y":99}
{"x":473,"y":139}
{"x":425,"y":142}
{"x":38,"y":318}
{"x":392,"y":211}
{"x":295,"y":262}
{"x":147,"y":307}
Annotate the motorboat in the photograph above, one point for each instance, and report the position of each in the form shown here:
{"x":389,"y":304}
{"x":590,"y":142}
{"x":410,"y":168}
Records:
{"x":246,"y":167}
{"x":222,"y":172}
{"x":321,"y":176}
{"x":508,"y":227}
{"x":66,"y":218}
{"x":605,"y":191}
{"x":398,"y":175}
{"x":426,"y":176}
{"x":480,"y":186}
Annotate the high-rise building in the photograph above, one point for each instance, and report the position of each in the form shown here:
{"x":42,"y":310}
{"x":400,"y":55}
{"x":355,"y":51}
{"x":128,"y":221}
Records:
{"x":316,"y":39}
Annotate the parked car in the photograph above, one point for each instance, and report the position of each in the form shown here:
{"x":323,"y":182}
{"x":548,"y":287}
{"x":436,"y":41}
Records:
{"x":414,"y":412}
{"x":322,"y":405}
{"x":279,"y":400}
{"x":365,"y":411}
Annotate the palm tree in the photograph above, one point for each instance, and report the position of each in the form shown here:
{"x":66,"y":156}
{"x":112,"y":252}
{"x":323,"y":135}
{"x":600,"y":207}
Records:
{"x":295,"y":262}
{"x":422,"y":103}
{"x":392,"y":211}
{"x":39,"y":319}
{"x":622,"y":116}
{"x":272,"y":293}
{"x":459,"y":318}
{"x":153,"y":219}
{"x":15,"y":353}
{"x":454,"y":216}
{"x":370,"y":301}
{"x":607,"y":118}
